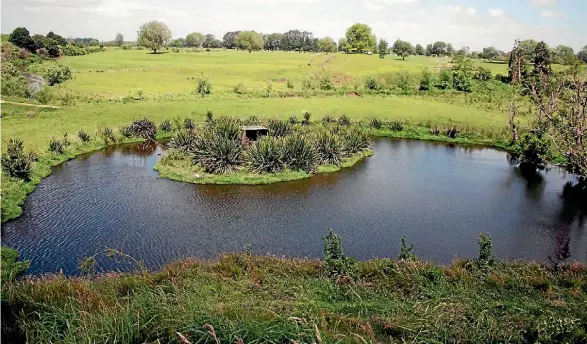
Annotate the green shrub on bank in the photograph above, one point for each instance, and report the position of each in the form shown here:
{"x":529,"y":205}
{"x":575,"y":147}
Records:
{"x":354,"y":141}
{"x":57,"y":74}
{"x":266,"y":155}
{"x":16,"y":162}
{"x":217,"y":152}
{"x":279,"y":128}
{"x":299,"y":155}
{"x":329,"y":149}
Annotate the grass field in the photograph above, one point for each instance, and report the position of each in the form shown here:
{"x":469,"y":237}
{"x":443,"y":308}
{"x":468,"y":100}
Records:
{"x":118,"y":72}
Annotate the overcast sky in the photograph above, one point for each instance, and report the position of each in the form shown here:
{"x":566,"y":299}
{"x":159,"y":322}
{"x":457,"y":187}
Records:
{"x":472,"y":23}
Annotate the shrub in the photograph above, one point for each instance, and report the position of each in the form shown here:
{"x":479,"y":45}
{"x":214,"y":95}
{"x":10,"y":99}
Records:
{"x":269,"y":87}
{"x":444,"y":79}
{"x":252,"y":120}
{"x":57,"y":74}
{"x":183,"y":141}
{"x":228,"y":127}
{"x":83,"y":136}
{"x":532,"y":148}
{"x":337,"y":264}
{"x":483,"y":74}
{"x":406,"y":252}
{"x":328,"y":148}
{"x":16,"y":162}
{"x":435,"y":131}
{"x":290,"y":84}
{"x":293,"y":120}
{"x":188,"y":124}
{"x":404,"y":82}
{"x":266,"y":155}
{"x":396,"y":126}
{"x":486,"y":257}
{"x":375,"y":123}
{"x":328,"y":120}
{"x":279,"y":128}
{"x":44,"y":95}
{"x":126,"y":131}
{"x":144,"y":128}
{"x":217,"y":153}
{"x":166,"y":126}
{"x":11,"y":267}
{"x":354,"y":141}
{"x":373,"y":84}
{"x":55,"y":146}
{"x":299,"y":155}
{"x":326,"y":83}
{"x":72,"y":50}
{"x":308,"y":83}
{"x":204,"y":86}
{"x":452,"y":132}
{"x":108,"y":134}
{"x":240,"y":88}
{"x":306,"y":116}
{"x":426,"y":80}
{"x":209,"y":116}
{"x":344,"y":120}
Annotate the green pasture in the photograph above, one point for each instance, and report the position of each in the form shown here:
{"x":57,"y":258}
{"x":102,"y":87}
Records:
{"x":120,"y":72}
{"x":36,"y":126}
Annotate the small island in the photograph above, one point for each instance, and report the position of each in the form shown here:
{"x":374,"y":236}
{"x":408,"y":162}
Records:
{"x":228,"y":151}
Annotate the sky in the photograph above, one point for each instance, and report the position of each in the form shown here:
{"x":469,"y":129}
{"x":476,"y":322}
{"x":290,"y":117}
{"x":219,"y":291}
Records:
{"x":471,"y":23}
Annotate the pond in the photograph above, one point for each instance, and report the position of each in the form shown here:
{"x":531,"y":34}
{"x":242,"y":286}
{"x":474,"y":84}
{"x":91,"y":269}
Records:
{"x":439,"y":196}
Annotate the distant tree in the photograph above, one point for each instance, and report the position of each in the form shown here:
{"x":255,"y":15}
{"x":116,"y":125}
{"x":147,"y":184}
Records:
{"x":153,"y":35}
{"x":229,"y":39}
{"x":293,"y":40}
{"x":516,"y":69}
{"x":194,"y":39}
{"x":216,"y":43}
{"x":582,"y":54}
{"x":22,"y":39}
{"x":382,"y":48}
{"x":563,"y":54}
{"x":429,"y":50}
{"x":464,"y":51}
{"x":327,"y":45}
{"x":40,"y":41}
{"x":403,"y":48}
{"x":420,"y":50}
{"x":272,"y":41}
{"x":249,"y":40}
{"x":60,"y":40}
{"x":342,"y":44}
{"x":440,"y":48}
{"x":359,"y":37}
{"x":208,"y":41}
{"x":490,"y":53}
{"x":450,"y":51}
{"x":309,"y":43}
{"x":179,"y":42}
{"x":119,"y":40}
{"x":527,"y":48}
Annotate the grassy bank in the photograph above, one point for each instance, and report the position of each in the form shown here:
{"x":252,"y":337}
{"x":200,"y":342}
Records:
{"x":185,"y":171}
{"x":248,"y":299}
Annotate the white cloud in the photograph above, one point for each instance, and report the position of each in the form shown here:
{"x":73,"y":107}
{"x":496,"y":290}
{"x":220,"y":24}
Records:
{"x":471,"y":11}
{"x":373,"y":6}
{"x":543,"y":3}
{"x":552,"y":14}
{"x":393,"y":2}
{"x":496,"y":12}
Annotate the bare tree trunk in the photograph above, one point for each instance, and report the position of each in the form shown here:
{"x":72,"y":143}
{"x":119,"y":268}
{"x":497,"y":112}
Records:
{"x":513,"y":126}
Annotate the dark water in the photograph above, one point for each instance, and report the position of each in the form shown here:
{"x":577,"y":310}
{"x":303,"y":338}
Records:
{"x":439,"y":196}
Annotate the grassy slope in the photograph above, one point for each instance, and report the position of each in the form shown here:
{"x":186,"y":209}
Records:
{"x":124,"y":71}
{"x":262,"y":299}
{"x":36,"y":126}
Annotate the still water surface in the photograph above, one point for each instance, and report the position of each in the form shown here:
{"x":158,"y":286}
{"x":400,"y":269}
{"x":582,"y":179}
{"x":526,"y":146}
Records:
{"x":440,"y":197}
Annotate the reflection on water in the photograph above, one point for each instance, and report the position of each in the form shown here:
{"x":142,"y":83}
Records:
{"x":439,"y":196}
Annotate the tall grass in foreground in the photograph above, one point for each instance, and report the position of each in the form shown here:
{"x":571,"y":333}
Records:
{"x":241,"y":298}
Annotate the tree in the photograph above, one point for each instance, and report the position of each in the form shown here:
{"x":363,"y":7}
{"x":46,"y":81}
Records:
{"x":542,"y":60}
{"x":439,"y":48}
{"x":527,"y":48}
{"x":180,"y":42}
{"x":216,"y":43}
{"x":292,"y":40}
{"x":382,"y":48}
{"x":450,"y":51}
{"x":249,"y":40}
{"x":272,"y":41}
{"x":194,"y":39}
{"x":22,"y":39}
{"x":342,"y":44}
{"x":490,"y":53}
{"x":564,"y":55}
{"x":516,"y":69}
{"x":359,"y":37}
{"x":60,"y":40}
{"x":402,"y":48}
{"x":327,"y":45}
{"x":229,"y":39}
{"x":420,"y":50}
{"x":429,"y":50}
{"x":119,"y":40}
{"x":582,"y":55}
{"x":208,"y":41}
{"x":153,"y":35}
